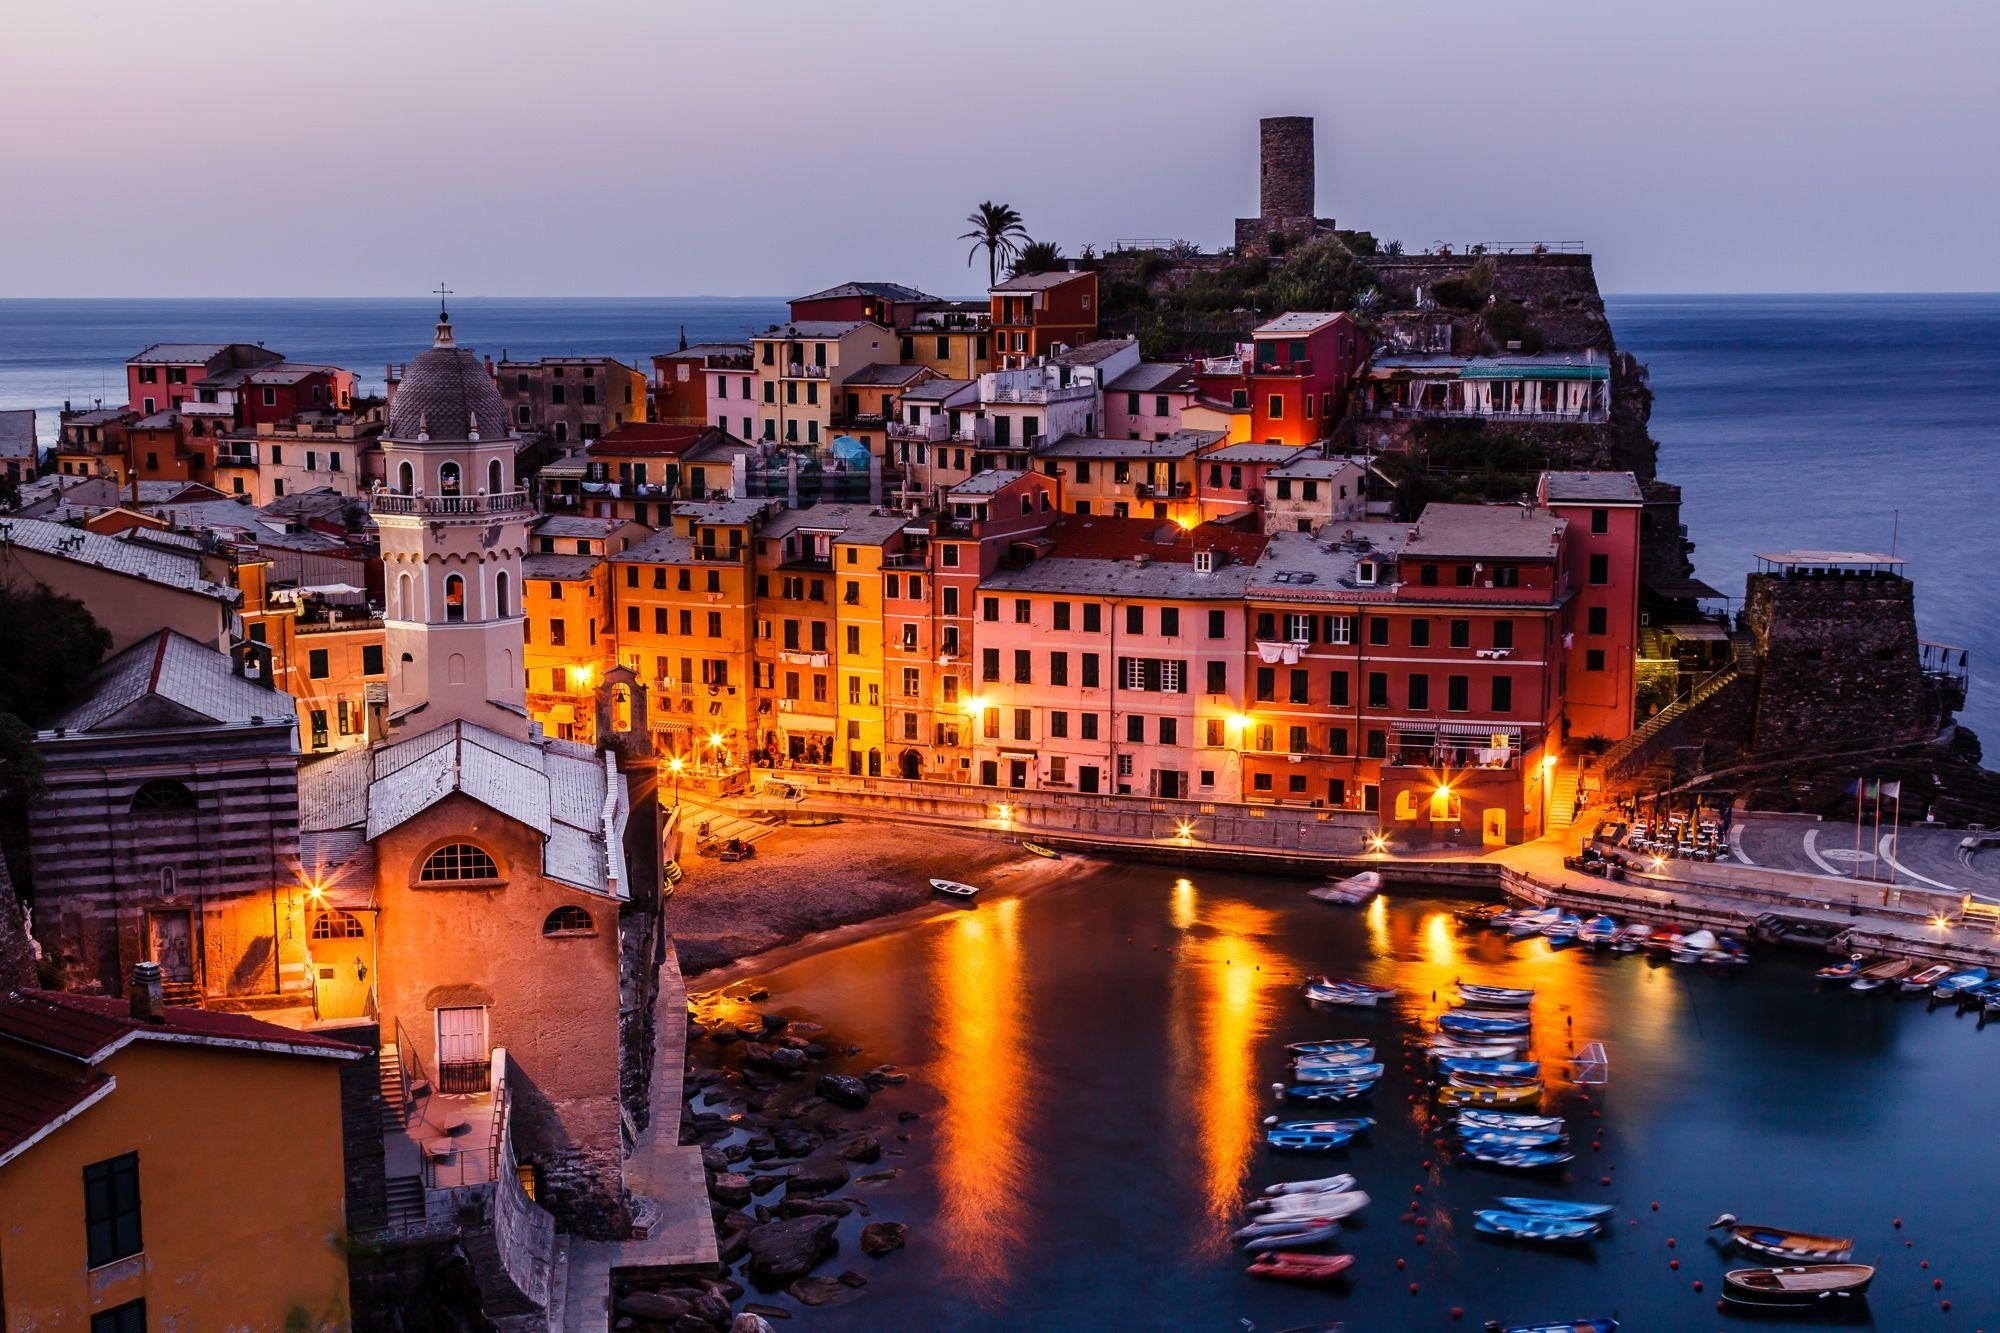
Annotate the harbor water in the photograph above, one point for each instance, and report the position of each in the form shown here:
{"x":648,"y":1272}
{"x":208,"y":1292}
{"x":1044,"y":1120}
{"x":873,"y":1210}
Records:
{"x":1091,"y":1063}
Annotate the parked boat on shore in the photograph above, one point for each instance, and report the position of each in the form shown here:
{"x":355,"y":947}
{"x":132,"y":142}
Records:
{"x":955,"y":888}
{"x":1797,"y":1288}
{"x":1042,"y":850}
{"x":1349,"y":892}
{"x":1777,"y":1242}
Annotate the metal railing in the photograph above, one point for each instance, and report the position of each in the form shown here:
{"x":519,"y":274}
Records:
{"x":449,"y":506}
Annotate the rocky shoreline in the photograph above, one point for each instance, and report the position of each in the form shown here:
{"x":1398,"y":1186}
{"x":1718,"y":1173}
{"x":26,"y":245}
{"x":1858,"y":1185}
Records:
{"x":791,"y":1147}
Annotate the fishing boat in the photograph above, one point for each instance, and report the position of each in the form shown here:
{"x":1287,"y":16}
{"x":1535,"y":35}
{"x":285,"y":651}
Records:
{"x":954,"y":888}
{"x":1530,"y":1226}
{"x":1918,"y":982}
{"x":1323,"y":1185}
{"x":1338,"y":1073}
{"x":1506,"y":1120}
{"x":1488,"y":1070}
{"x":1352,"y":891}
{"x":1531,"y":923}
{"x":1483,"y":1048}
{"x":1693,"y":946}
{"x":1330,"y":1092}
{"x":1294,"y":1266}
{"x":1042,"y":850}
{"x":1844,"y":971}
{"x":1491,"y":1098}
{"x":1512,"y":1138}
{"x":1599,"y":932}
{"x":811,"y":821}
{"x":1304,"y":1231}
{"x":1662,"y":942}
{"x":1883,"y":973}
{"x":1797,"y":1288}
{"x":1306,"y":1140}
{"x":1958,"y":981}
{"x":1478,"y":1025}
{"x":1797,"y":1246}
{"x":1332,"y":1206}
{"x":1359,"y":1124}
{"x":1563,"y":930}
{"x":1497,"y":997}
{"x":1555,"y":1207}
{"x":1728,"y":952}
{"x":1974,"y":997}
{"x":1354,"y":994}
{"x":1517,"y":1159}
{"x":1320,"y":1059}
{"x":1332,"y":1046}
{"x":1633,"y":938}
{"x":1573,"y":1326}
{"x":1482,"y":915}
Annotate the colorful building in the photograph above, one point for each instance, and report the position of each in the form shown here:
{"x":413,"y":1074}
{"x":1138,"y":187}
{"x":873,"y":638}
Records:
{"x":1146,"y":401}
{"x":1295,"y":375}
{"x":568,"y":398}
{"x":1601,"y":624}
{"x":682,"y":389}
{"x":1036,"y":313}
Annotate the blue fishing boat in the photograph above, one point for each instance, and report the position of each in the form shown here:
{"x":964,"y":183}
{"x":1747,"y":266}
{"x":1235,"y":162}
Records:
{"x":1555,"y":1207}
{"x":1563,"y":929}
{"x":1337,"y":1073}
{"x":1573,"y":1326}
{"x":1315,"y":1135}
{"x":1475,"y":1025}
{"x":1974,"y":996}
{"x":1598,"y":932}
{"x":1507,"y":1120}
{"x":1360,"y":1056}
{"x":1346,"y":993}
{"x":1958,"y":981}
{"x":1511,"y":1069}
{"x":1332,"y":1046}
{"x":1500,"y":997}
{"x":1530,"y":1226}
{"x":1350,"y":1125}
{"x":1330,"y":1092}
{"x":1512,"y":1138}
{"x":1519,"y":1159}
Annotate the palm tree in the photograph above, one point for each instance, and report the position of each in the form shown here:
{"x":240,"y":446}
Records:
{"x":996,"y":228}
{"x":1036,"y":257}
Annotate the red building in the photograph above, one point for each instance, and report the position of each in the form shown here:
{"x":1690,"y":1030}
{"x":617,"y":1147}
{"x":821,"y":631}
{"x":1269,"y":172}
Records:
{"x":165,"y":375}
{"x":680,"y":388}
{"x":1601,"y":623}
{"x":1294,"y":375}
{"x":889,"y":304}
{"x":1036,"y":311}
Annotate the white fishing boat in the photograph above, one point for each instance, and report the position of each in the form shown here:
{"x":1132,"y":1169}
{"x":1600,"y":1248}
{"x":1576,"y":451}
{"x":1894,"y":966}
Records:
{"x":1331,"y":1206}
{"x":1323,"y":1185}
{"x":954,"y":888}
{"x":1352,"y":891}
{"x":1693,"y":946}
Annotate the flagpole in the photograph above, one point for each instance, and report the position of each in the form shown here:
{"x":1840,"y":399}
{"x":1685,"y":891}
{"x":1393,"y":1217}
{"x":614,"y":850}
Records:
{"x":1860,"y":804}
{"x":1875,"y":844}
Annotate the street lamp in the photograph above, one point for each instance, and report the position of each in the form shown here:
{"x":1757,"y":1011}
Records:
{"x":674,"y":766}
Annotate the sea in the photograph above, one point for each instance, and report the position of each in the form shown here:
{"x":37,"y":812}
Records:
{"x":1864,"y":423}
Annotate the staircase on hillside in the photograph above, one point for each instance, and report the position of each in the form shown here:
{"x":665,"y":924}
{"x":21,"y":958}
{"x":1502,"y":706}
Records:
{"x":1563,"y":796}
{"x":1631,"y":756}
{"x":395,"y":1114}
{"x":404,"y":1196}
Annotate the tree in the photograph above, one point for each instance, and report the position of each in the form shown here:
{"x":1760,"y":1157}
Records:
{"x":1036,"y":257}
{"x":46,"y":656}
{"x":998,"y":230}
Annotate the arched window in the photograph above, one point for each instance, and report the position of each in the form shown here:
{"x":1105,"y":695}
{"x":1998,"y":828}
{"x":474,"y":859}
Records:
{"x":406,"y":477}
{"x":448,"y":479}
{"x":162,"y":794}
{"x":454,"y":597}
{"x":500,"y":602}
{"x":457,"y":862}
{"x":494,"y":477}
{"x":169,"y":882}
{"x":404,"y":611}
{"x":568,"y":921}
{"x":337,"y":926}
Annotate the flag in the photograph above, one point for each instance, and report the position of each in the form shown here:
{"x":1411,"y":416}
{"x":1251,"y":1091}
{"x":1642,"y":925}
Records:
{"x":1864,"y":788}
{"x":1892,"y":791}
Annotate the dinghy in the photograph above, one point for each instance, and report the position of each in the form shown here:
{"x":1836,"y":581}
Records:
{"x":1918,"y":982}
{"x":1042,"y":850}
{"x":1573,"y":1326}
{"x":954,"y":888}
{"x":1487,"y":1070}
{"x":1322,"y":1059}
{"x":1492,"y":1139}
{"x":1354,"y":993}
{"x":1495,"y":997}
{"x":1475,"y":1048}
{"x":1482,"y":915}
{"x":1958,"y":981}
{"x":1841,"y":973}
{"x":1517,"y":1159}
{"x":1476,"y":1025}
{"x":1555,"y":1207}
{"x":1563,"y":930}
{"x":1333,"y":1205}
{"x":1292,"y":1140}
{"x":1351,"y":1125}
{"x":1332,"y":1046}
{"x":1293,"y":1266}
{"x":1883,"y":973}
{"x":1528,"y":1226}
{"x":1506,"y":1120}
{"x":1350,"y":892}
{"x":1973,"y":997}
{"x":1693,"y":946}
{"x":1778,"y":1243}
{"x":1330,"y":1092}
{"x":1304,"y":1232}
{"x":1531,"y":923}
{"x":1323,"y":1185}
{"x":1598,"y":932}
{"x":1509,"y":1095}
{"x":1338,"y":1073}
{"x":1633,"y":937}
{"x":1797,"y":1288}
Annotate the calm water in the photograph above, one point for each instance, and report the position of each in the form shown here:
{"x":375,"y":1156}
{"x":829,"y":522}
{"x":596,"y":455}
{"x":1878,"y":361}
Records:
{"x":1090,"y":1104}
{"x":1789,"y":421}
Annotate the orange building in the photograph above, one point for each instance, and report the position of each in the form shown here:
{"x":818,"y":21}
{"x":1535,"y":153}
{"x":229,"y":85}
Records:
{"x":1033,"y":313}
{"x":566,"y":600}
{"x":123,"y":1206}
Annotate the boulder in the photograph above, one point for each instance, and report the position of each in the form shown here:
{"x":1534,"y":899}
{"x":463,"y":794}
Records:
{"x":750,"y":1323}
{"x":786,"y":1057}
{"x":815,"y":1290}
{"x":907,"y":1116}
{"x":773,"y":1023}
{"x":711,"y":1308}
{"x":693,"y":1323}
{"x":817,"y":1174}
{"x":879,"y":1177}
{"x":723,"y":1036}
{"x":791,"y":1207}
{"x":794,"y":1140}
{"x":658,"y":1305}
{"x":880,"y":1238}
{"x":844,"y":1090}
{"x":800,"y":1027}
{"x":729,"y":1187}
{"x":714,"y":1159}
{"x":756,"y":1053}
{"x":852,"y":1279}
{"x":867,"y":1149}
{"x":785,"y":1250}
{"x":886,"y":1074}
{"x":763,"y":1311}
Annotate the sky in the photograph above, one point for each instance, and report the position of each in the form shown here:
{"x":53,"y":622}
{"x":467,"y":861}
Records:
{"x":372,"y":147}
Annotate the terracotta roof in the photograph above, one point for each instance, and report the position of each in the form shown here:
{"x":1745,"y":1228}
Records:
{"x":87,"y":1028}
{"x":652,"y":439}
{"x":1096,"y":537}
{"x":35,"y":1099}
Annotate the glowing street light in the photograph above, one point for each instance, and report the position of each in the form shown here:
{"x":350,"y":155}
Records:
{"x":1184,"y":830}
{"x":1006,"y":812}
{"x":1377,"y":843}
{"x":675,"y":765}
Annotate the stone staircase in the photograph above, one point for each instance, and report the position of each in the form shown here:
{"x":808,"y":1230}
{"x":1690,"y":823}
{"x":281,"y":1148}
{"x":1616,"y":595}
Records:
{"x":404,"y":1196}
{"x":1630,"y":758}
{"x":1563,"y":796}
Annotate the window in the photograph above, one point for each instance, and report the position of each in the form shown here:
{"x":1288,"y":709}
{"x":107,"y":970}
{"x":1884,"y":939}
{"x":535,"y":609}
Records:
{"x":568,"y":919}
{"x":1503,"y":634}
{"x":1170,"y":731}
{"x":1301,"y":691}
{"x":1024,"y":724}
{"x":1427,"y":576}
{"x":1277,"y":408}
{"x":989,"y":664}
{"x":1217,"y":624}
{"x":1297,"y":742}
{"x":454,"y":597}
{"x":1506,"y":576}
{"x":371,"y":659}
{"x":1336,"y":689}
{"x":1378,"y":689}
{"x":1260,"y":781}
{"x":1088,"y":725}
{"x":457,"y":862}
{"x":1593,"y":659}
{"x":1170,"y":622}
{"x":111,"y":1210}
{"x":1135,"y":728}
{"x":1058,"y":724}
{"x":1420,"y":692}
{"x":1267,"y":684}
{"x":1457,"y":693}
{"x":1597,"y":620}
{"x":1093,"y":618}
{"x":1503,"y":694}
{"x":1058,"y":668}
{"x":1024,"y":672}
{"x":1060,"y":616}
{"x":127,"y":1318}
{"x":989,"y":610}
{"x":162,"y":794}
{"x":337,"y":926}
{"x":1336,"y":740}
{"x":1600,"y":521}
{"x":1023,"y":611}
{"x":1420,"y":633}
{"x":1378,"y":631}
{"x":1600,"y":569}
{"x":1090,"y":677}
{"x":1461,"y":633}
{"x":991,"y":724}
{"x":1218,"y":677}
{"x":1135,"y":620}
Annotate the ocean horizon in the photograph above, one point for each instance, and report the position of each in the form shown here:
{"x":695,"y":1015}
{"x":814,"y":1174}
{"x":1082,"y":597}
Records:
{"x":1789,"y":420}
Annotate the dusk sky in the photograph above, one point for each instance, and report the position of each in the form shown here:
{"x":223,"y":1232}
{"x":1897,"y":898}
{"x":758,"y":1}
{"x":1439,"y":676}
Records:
{"x":370,"y":148}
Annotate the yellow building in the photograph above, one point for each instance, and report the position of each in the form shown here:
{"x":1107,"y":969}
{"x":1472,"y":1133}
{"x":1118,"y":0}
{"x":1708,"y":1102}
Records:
{"x":802,"y":369}
{"x":952,"y":338}
{"x":566,"y":600}
{"x":167,"y":1168}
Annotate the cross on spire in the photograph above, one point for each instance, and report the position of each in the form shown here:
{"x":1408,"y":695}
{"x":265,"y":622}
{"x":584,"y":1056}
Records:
{"x":444,"y":320}
{"x":442,"y":292}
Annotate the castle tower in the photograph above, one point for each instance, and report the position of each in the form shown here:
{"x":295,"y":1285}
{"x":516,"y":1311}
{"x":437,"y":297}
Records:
{"x":1285,"y":161}
{"x":454,"y":526}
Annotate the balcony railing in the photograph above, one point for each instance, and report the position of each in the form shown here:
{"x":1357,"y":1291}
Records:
{"x":1285,"y":367}
{"x":1041,"y":394}
{"x":920,"y":431}
{"x":449,"y":506}
{"x":1177,"y":490}
{"x":804,"y":370}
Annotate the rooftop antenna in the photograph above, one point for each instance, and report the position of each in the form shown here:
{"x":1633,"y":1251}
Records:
{"x":1895,"y":528}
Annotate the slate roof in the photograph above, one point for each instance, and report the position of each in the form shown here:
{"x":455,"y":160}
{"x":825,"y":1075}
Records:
{"x":987,"y":482}
{"x":1314,"y":467}
{"x":1481,"y":532}
{"x":1154,"y":377}
{"x":442,"y":392}
{"x":164,"y":568}
{"x":1295,"y":322}
{"x":859,"y":524}
{"x":17,"y":433}
{"x":938,"y":390}
{"x":575,"y":525}
{"x":812,"y":328}
{"x":1091,"y":353}
{"x":91,"y":1027}
{"x":887,"y":374}
{"x":888,"y":291}
{"x":742,"y":509}
{"x":178,"y":354}
{"x":1249,"y":451}
{"x":170,"y":666}
{"x":1038,"y":282}
{"x":652,"y":439}
{"x":559,"y":567}
{"x":1321,"y":565}
{"x":1620,"y":488}
{"x":662,"y":548}
{"x":1180,"y":444}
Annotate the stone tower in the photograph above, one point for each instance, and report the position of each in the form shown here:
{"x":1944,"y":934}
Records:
{"x":454,"y":526}
{"x":1285,"y":158}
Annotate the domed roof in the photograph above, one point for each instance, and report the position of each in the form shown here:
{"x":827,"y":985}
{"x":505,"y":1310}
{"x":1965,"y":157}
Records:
{"x":447,"y":394}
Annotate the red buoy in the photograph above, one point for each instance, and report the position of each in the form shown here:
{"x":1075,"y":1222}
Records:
{"x":1899,"y":1224}
{"x":1656,"y":1205}
{"x":1937,"y":1284}
{"x":1458,"y":1312}
{"x":1924,"y":1263}
{"x":1674,"y":1264}
{"x":1413,"y":1289}
{"x":1671,"y":1242}
{"x":1697,"y":1284}
{"x":1400,"y":1265}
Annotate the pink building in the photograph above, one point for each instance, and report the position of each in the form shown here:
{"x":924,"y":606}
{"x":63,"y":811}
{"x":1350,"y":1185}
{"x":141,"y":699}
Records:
{"x":1145,"y":403}
{"x":1231,"y":478}
{"x":1110,"y":659}
{"x":1601,"y":623}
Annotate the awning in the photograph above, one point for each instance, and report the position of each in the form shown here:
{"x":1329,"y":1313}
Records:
{"x":1680,"y":590}
{"x":804,"y":722}
{"x":1518,"y":371}
{"x":1698,"y":631}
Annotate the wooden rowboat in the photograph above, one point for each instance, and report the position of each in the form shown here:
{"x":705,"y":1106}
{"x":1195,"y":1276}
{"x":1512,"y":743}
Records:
{"x":1918,"y":982}
{"x":1797,"y":1246}
{"x":1493,"y":1098}
{"x":954,"y":888}
{"x":1039,"y":849}
{"x":1294,"y":1266}
{"x":1797,"y":1288}
{"x":1882,"y":973}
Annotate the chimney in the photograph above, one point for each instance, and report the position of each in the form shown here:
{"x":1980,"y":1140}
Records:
{"x":148,"y":1002}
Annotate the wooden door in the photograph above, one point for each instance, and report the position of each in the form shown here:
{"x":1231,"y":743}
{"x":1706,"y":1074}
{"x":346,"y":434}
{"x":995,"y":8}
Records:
{"x":170,"y":940}
{"x":462,"y":1054}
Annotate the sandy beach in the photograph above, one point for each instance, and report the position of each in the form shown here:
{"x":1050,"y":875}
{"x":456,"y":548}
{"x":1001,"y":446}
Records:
{"x":851,"y":878}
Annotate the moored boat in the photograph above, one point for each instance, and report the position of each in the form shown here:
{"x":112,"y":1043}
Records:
{"x":1293,"y":1266}
{"x":1958,"y":981}
{"x":1517,"y":1159}
{"x":1042,"y":850}
{"x":1693,"y":946}
{"x":1331,"y":1046}
{"x":954,"y":888}
{"x":1973,"y":997}
{"x":1881,"y":974}
{"x":1489,"y":1070}
{"x":1797,"y":1246}
{"x":1506,"y":1120}
{"x":1555,"y":1207}
{"x":1563,"y":930}
{"x":1633,"y":937}
{"x":1598,"y":932}
{"x":1662,"y":942}
{"x":1482,"y":915}
{"x":1797,"y":1288}
{"x":1330,"y":1092}
{"x":1479,"y":1025}
{"x":1359,"y":1055}
{"x":1524,"y":924}
{"x":1307,"y":1231}
{"x":1331,"y":1205}
{"x":1494,"y":1047}
{"x":1492,"y":1139}
{"x":1323,"y":1185}
{"x":1496,"y":997}
{"x":1338,"y":1073}
{"x":1846,"y":970}
{"x":1918,"y":982}
{"x":1352,"y":891}
{"x":1535,"y":1227}
{"x":1573,"y":1326}
{"x":1491,"y":1098}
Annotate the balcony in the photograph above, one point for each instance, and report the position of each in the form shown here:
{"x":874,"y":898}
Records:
{"x":921,"y":432}
{"x":449,"y":506}
{"x":1296,"y":368}
{"x":1041,"y":394}
{"x":725,"y":361}
{"x":804,"y":370}
{"x":856,"y":421}
{"x":1176,"y":490}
